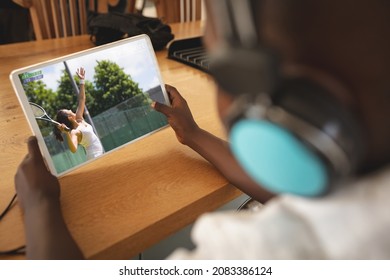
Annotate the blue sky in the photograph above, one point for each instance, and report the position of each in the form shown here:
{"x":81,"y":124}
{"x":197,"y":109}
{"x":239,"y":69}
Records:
{"x":133,"y":57}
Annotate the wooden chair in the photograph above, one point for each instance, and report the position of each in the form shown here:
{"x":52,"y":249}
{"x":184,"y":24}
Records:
{"x":55,"y":19}
{"x":64,"y":18}
{"x":131,"y":6}
{"x":178,"y":10}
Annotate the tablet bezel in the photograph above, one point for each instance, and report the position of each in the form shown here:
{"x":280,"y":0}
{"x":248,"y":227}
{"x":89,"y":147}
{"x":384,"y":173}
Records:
{"x":23,"y":100}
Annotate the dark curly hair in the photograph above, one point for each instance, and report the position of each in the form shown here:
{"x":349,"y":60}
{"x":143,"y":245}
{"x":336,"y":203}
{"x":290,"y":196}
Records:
{"x":62,"y":117}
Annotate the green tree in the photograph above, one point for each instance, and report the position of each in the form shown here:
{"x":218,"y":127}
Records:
{"x":113,"y":86}
{"x":37,"y":92}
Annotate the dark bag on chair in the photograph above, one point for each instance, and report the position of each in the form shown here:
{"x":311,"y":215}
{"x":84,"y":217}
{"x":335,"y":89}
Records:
{"x":110,"y":27}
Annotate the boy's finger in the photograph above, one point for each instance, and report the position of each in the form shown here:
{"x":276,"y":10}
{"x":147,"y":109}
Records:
{"x":162,"y":108}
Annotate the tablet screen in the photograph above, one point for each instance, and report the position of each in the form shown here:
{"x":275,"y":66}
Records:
{"x":117,"y":84}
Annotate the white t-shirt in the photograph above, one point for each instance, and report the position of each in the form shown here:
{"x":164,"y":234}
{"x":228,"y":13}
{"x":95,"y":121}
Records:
{"x":91,"y":143}
{"x":350,"y":223}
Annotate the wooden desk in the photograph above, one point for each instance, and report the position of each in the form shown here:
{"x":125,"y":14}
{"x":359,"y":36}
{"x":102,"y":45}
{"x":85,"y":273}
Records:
{"x":118,"y":205}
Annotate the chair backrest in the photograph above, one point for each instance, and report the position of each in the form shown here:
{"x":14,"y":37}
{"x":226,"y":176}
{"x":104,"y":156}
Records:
{"x":125,"y":6}
{"x":178,"y":10}
{"x":64,"y":18}
{"x":58,"y":18}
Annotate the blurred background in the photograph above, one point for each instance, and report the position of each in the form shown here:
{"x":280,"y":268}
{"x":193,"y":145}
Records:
{"x":16,"y":24}
{"x":25,"y":20}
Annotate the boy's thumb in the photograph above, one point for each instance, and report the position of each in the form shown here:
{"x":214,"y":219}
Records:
{"x":33,"y":149}
{"x":162,"y":108}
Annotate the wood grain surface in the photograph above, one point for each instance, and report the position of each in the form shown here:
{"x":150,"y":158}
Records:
{"x":130,"y":199}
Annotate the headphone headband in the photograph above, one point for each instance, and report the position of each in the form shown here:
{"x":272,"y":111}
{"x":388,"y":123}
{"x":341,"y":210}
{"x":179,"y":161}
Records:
{"x":255,"y":65}
{"x":235,"y":22}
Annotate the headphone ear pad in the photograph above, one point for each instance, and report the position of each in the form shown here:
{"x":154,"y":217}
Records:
{"x":276,"y":159}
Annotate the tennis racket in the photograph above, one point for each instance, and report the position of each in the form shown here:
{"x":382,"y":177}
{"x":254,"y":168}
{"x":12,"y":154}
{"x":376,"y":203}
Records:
{"x":40,"y":114}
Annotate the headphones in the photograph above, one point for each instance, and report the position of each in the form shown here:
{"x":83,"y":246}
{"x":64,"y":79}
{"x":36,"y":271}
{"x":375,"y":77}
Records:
{"x":289,"y":133}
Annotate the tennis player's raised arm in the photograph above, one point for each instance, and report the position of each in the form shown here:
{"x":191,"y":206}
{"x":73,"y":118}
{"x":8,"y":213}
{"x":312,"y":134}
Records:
{"x":81,"y":100}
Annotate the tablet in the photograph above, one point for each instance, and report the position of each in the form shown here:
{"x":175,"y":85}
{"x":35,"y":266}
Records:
{"x":90,"y":103}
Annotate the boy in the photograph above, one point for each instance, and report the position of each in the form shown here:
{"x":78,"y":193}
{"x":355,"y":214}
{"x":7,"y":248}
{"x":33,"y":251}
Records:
{"x":340,"y":45}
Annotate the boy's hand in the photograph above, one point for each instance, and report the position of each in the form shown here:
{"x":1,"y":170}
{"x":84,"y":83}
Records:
{"x":179,"y":115}
{"x":33,"y":181}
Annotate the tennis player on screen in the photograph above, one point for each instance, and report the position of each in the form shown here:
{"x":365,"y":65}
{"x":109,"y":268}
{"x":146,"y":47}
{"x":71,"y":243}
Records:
{"x":81,"y":132}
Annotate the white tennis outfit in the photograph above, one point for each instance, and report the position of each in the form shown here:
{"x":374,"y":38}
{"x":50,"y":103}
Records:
{"x":91,"y":143}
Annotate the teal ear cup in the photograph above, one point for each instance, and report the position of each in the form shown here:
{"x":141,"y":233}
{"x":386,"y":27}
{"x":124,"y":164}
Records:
{"x":276,"y":159}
